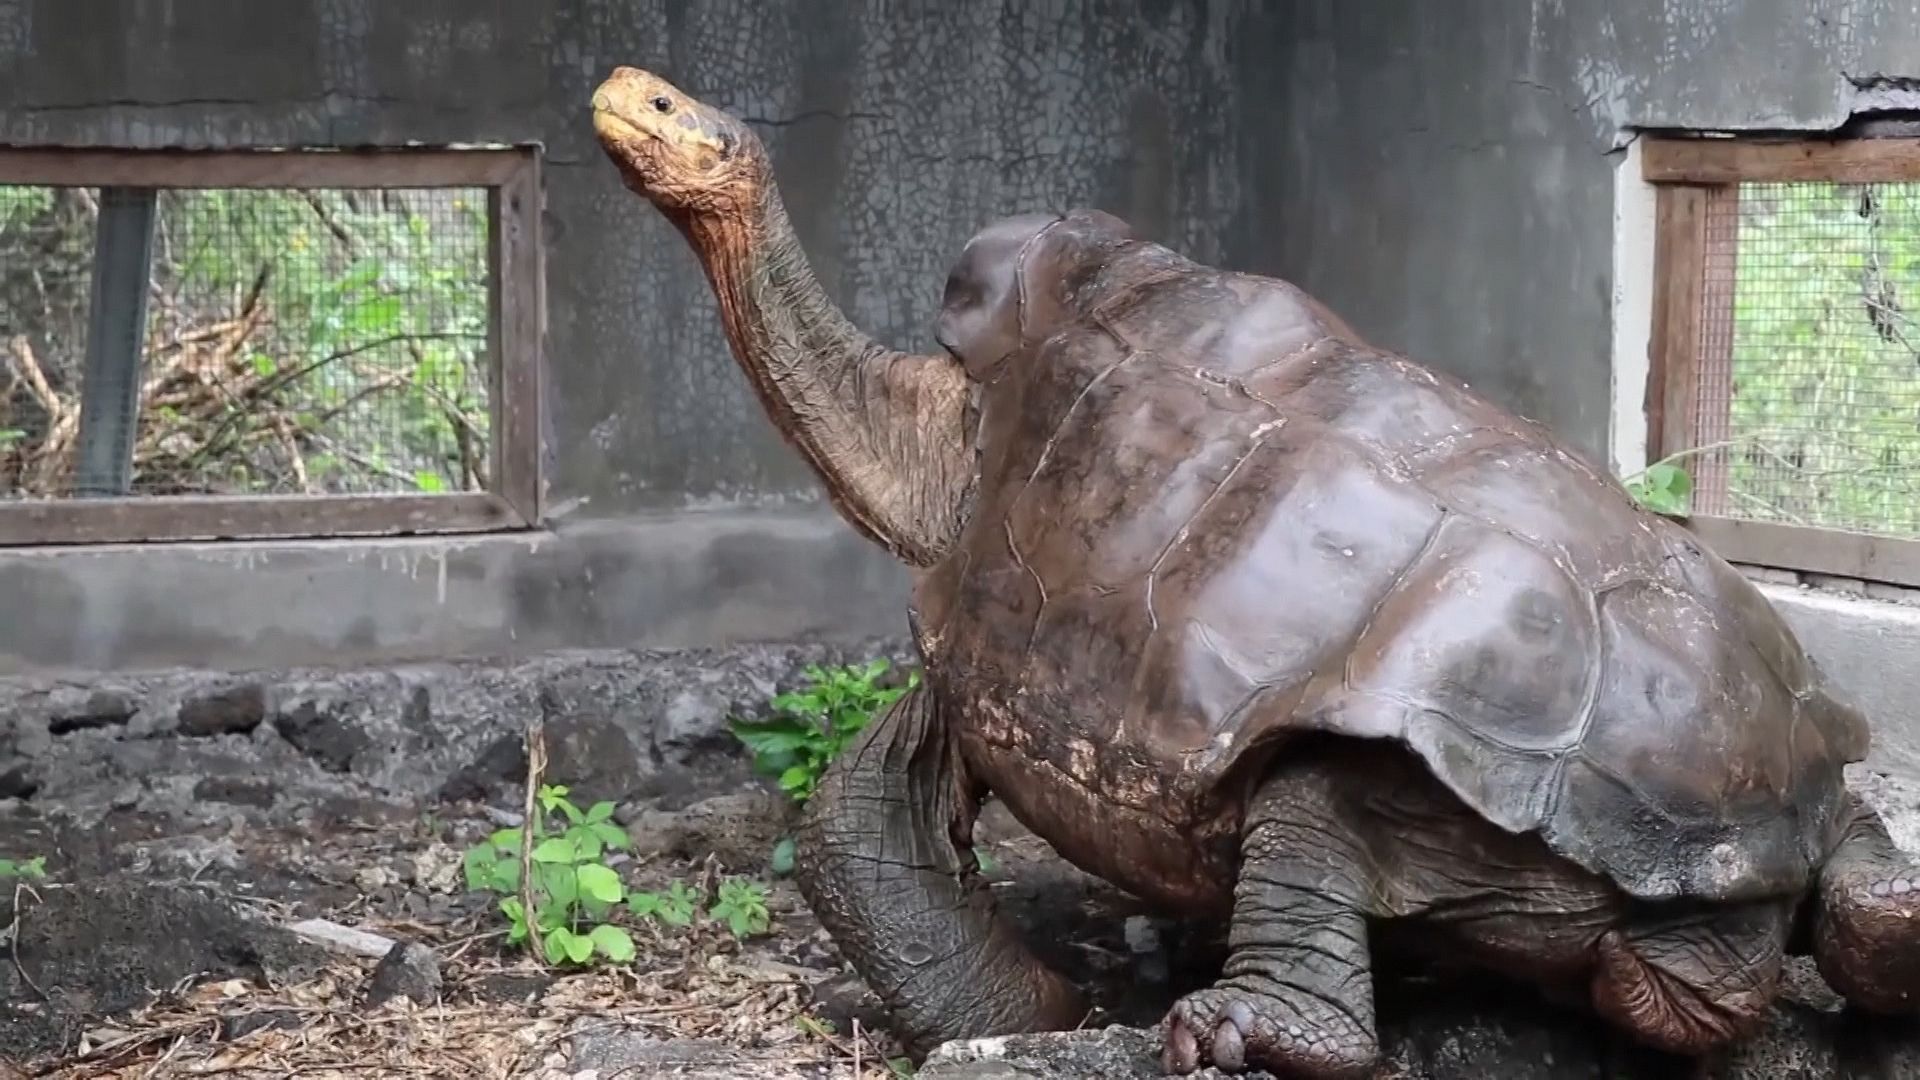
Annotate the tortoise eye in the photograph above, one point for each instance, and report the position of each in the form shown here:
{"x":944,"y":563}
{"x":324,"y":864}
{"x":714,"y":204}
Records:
{"x":662,"y":105}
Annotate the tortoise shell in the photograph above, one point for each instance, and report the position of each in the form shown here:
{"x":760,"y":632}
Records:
{"x":1209,"y":518}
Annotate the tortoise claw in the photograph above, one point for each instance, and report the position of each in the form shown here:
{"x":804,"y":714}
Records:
{"x":1182,"y":1054}
{"x":1235,"y":1030}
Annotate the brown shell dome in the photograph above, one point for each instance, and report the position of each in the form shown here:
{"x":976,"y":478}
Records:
{"x":1209,"y":517}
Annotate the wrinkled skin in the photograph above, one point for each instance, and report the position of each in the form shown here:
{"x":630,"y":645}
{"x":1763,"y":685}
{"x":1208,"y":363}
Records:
{"x":1256,"y":620}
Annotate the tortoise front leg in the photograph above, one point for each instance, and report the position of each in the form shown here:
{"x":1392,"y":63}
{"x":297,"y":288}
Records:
{"x":1296,"y":995}
{"x":884,"y":859}
{"x":1867,"y":919}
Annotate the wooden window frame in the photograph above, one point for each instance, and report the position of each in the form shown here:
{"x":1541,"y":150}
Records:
{"x":1684,"y":172}
{"x":516,"y":331}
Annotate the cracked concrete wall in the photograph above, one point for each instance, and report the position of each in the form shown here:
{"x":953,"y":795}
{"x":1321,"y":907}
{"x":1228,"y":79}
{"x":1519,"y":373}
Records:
{"x":1439,"y":173}
{"x":1443,"y":175}
{"x":898,"y":129}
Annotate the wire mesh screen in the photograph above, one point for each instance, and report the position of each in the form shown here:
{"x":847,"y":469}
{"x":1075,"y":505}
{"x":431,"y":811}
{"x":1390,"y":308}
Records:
{"x":46,"y":259}
{"x":1807,"y":403}
{"x":296,"y":342}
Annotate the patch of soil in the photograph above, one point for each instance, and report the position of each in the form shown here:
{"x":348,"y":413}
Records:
{"x":161,"y":946}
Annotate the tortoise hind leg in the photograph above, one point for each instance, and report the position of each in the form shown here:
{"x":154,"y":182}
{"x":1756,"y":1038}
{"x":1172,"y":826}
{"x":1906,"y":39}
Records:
{"x":1296,"y":995}
{"x":881,"y":858}
{"x":1866,"y":923}
{"x":1689,"y":981}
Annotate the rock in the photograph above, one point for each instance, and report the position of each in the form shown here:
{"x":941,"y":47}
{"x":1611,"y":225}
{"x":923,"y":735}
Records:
{"x":740,"y":828}
{"x":232,"y":789}
{"x":17,"y":783}
{"x":593,"y":757}
{"x":233,"y":710}
{"x":694,"y":719}
{"x":437,"y":868}
{"x":612,"y":1054}
{"x":502,"y":764}
{"x":342,"y":939}
{"x":845,"y":998}
{"x":408,"y":970}
{"x":186,"y":856}
{"x":1115,"y":1053}
{"x":1454,"y":1034}
{"x":95,"y":948}
{"x":395,"y":732}
{"x":97,"y":709}
{"x":323,"y":735}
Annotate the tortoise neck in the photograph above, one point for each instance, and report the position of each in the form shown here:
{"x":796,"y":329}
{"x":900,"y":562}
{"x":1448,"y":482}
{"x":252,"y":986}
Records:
{"x":877,"y":426}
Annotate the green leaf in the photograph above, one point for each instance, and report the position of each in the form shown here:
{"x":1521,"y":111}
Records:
{"x":556,"y":849}
{"x":772,"y":741}
{"x":598,"y":812}
{"x":782,"y":860}
{"x":600,"y":883}
{"x":613,"y":942}
{"x":557,"y":880}
{"x":795,"y":778}
{"x":508,"y":839}
{"x":611,"y":835}
{"x":1671,"y":479}
{"x":429,"y":482}
{"x":516,"y":919}
{"x":586,"y":843}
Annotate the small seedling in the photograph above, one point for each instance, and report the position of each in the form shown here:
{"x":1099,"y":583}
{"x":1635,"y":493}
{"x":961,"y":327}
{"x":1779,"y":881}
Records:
{"x":675,"y":908}
{"x":1663,"y":488}
{"x":574,"y":888}
{"x":577,"y":895}
{"x":810,"y":726}
{"x":34,"y":869}
{"x":742,"y":905}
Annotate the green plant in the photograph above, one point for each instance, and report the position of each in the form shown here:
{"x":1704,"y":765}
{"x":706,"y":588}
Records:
{"x":675,"y":908}
{"x":576,"y":895}
{"x":810,"y":726}
{"x":574,"y":891}
{"x":742,"y":905}
{"x":1661,"y":487}
{"x":33,"y":869}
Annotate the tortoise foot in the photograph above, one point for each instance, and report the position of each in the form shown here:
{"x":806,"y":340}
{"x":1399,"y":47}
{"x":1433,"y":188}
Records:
{"x":1867,"y":932}
{"x":1238,"y":1030}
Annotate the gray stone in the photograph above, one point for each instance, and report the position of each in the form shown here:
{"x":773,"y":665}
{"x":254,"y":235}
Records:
{"x":1512,"y":1040}
{"x":620,"y":725}
{"x":739,"y":828}
{"x":409,"y":970}
{"x":229,"y":710}
{"x":605,"y":1055}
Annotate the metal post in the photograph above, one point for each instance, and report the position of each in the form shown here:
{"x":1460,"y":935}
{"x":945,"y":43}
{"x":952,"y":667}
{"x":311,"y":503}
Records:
{"x":116,"y":335}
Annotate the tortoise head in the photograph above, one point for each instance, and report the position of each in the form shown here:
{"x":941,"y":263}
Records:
{"x":1013,"y":285}
{"x":679,"y":153}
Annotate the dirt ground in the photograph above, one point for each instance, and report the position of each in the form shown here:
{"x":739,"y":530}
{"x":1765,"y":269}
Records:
{"x":190,"y":822}
{"x":157,"y":949}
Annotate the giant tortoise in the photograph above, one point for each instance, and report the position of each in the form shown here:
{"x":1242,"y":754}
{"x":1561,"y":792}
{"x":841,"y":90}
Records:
{"x":1259,"y":621}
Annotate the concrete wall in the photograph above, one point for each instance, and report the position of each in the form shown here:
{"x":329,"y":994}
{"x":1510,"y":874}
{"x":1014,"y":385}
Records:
{"x":1444,"y":175}
{"x":898,"y":129}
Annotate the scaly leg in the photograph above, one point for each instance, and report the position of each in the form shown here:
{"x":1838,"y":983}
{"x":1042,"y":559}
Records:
{"x":1296,"y":994}
{"x":883,"y":859}
{"x":1866,"y":929}
{"x":1690,"y":982}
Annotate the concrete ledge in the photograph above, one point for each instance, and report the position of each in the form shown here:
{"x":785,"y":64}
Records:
{"x":689,"y":579}
{"x":1871,"y":648}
